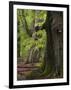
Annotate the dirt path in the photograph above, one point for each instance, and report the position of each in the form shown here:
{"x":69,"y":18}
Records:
{"x":24,"y":69}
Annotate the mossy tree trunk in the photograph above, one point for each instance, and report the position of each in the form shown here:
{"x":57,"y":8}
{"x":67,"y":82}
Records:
{"x":49,"y":59}
{"x":53,"y":60}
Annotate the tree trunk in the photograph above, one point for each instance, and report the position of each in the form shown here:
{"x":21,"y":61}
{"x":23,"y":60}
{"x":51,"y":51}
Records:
{"x":53,"y":60}
{"x":18,"y":41}
{"x":49,"y":53}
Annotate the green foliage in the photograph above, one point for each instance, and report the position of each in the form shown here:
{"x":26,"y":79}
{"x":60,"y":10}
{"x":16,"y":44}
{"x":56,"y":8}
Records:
{"x":40,"y":43}
{"x":32,"y":18}
{"x":27,"y":42}
{"x":29,"y":16}
{"x":41,"y":15}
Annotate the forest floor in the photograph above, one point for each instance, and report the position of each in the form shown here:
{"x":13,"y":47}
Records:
{"x":30,"y":71}
{"x":25,"y":69}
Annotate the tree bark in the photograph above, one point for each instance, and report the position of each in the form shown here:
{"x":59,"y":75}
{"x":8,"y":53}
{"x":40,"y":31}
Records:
{"x":53,"y":60}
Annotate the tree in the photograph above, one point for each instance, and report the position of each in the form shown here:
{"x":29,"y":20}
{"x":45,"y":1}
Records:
{"x":53,"y":61}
